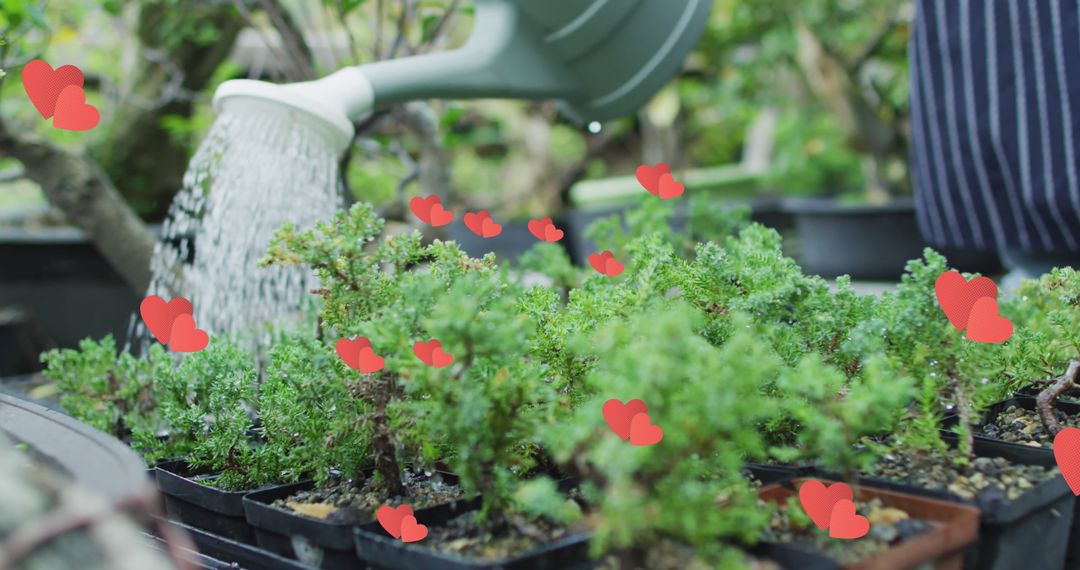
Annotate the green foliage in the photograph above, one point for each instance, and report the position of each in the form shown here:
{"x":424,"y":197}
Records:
{"x":426,"y":292}
{"x":208,"y":403}
{"x":115,"y":393}
{"x":704,"y":398}
{"x":308,"y":414}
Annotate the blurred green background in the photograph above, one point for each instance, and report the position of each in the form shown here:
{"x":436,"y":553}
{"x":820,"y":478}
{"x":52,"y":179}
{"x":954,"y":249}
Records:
{"x":811,"y":95}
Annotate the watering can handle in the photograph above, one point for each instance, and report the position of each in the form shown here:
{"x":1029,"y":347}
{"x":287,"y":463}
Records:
{"x":506,"y":59}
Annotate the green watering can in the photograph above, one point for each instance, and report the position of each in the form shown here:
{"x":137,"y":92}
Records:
{"x":600,"y":59}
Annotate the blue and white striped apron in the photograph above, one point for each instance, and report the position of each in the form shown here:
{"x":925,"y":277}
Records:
{"x":995,"y":123}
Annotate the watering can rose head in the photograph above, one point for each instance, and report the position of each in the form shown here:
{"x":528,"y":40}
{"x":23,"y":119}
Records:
{"x":593,"y":57}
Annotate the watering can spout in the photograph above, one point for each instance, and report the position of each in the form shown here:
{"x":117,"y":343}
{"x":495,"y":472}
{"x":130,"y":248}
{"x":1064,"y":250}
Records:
{"x":600,"y":58}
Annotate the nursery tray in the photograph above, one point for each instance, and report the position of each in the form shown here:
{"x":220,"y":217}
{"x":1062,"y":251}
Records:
{"x":768,"y":474}
{"x":955,"y":527}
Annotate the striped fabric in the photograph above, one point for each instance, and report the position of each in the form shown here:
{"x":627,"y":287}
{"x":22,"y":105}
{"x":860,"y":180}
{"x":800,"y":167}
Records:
{"x":995,"y":122}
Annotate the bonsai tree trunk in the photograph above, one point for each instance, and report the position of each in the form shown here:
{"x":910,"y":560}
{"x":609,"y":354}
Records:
{"x":143,"y":159}
{"x":379,"y":391}
{"x":1046,"y":400}
{"x":78,"y":187}
{"x":866,"y":131}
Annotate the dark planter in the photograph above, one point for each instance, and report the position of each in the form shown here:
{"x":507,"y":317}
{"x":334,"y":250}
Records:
{"x":764,"y":211}
{"x":201,"y":506}
{"x":323,"y":544}
{"x":942,"y":547}
{"x":868,"y":241}
{"x":66,"y":288}
{"x":769,"y":474}
{"x":1007,"y":529}
{"x":381,"y":550}
{"x":1072,"y":556}
{"x":91,"y":458}
{"x":509,"y":245}
{"x":217,"y":552}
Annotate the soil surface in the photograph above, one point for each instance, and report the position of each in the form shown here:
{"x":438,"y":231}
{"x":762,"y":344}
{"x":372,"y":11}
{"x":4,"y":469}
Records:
{"x":888,"y":527}
{"x":1017,"y":425}
{"x":988,"y":480}
{"x":468,"y":536}
{"x":345,"y":503}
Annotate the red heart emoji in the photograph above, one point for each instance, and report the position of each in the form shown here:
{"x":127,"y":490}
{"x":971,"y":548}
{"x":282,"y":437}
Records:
{"x":439,"y":216}
{"x":598,"y":261}
{"x":391,"y":518}
{"x":431,"y":353}
{"x":669,"y":188}
{"x":618,"y":415}
{"x":956,"y":295}
{"x":421,"y":207}
{"x":440,"y":359}
{"x":818,"y":502}
{"x":184,"y":337}
{"x":552,"y":234}
{"x":1067,"y":454}
{"x":422,"y":350}
{"x":643,"y":433}
{"x":72,"y":112}
{"x":538,"y":228}
{"x":844,"y":523}
{"x":349,"y":350}
{"x":368,"y":362}
{"x":475,"y":221}
{"x":986,"y":325}
{"x":43,"y":84}
{"x":411,"y":531}
{"x":159,"y":315}
{"x":649,"y":176}
{"x":612,"y":267}
{"x":490,"y":229}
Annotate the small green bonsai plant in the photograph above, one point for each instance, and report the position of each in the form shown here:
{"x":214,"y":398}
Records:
{"x":687,"y":488}
{"x":109,"y":391}
{"x":1045,"y":348}
{"x":201,"y":408}
{"x":400,"y":292}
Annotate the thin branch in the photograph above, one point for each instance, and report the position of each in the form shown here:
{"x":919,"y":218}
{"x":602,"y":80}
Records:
{"x":300,"y":57}
{"x":1046,"y":400}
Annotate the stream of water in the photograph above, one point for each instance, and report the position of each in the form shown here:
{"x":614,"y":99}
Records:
{"x":252,"y":173}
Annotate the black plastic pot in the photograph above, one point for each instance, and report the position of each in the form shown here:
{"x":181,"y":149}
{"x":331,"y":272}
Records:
{"x":323,"y":544}
{"x":217,"y":552}
{"x":202,"y":506}
{"x":768,"y":212}
{"x":1009,"y":529}
{"x":868,"y":241}
{"x":768,"y":474}
{"x":381,"y":550}
{"x":1072,"y":557}
{"x":64,"y":285}
{"x":509,"y":245}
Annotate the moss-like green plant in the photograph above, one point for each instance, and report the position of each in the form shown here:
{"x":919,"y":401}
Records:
{"x":706,"y":399}
{"x":113,"y":392}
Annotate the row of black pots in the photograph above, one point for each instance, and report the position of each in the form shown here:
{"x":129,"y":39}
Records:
{"x":1008,"y":529}
{"x":1072,"y":557}
{"x":250,"y":519}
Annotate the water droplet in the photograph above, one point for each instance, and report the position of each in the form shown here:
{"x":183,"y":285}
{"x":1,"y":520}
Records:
{"x":595,"y":127}
{"x":252,"y":173}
